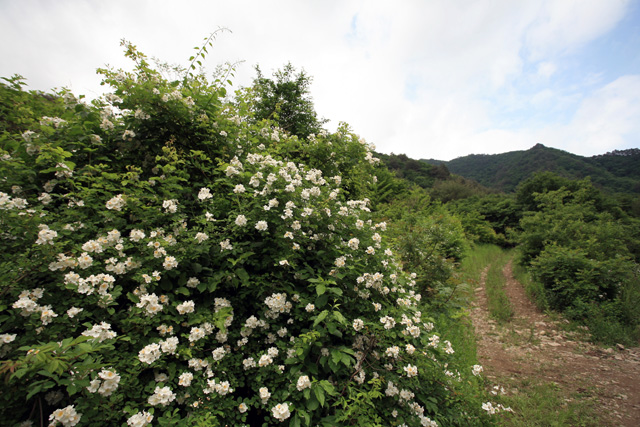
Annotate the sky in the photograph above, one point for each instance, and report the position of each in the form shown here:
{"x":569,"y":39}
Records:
{"x":435,"y":79}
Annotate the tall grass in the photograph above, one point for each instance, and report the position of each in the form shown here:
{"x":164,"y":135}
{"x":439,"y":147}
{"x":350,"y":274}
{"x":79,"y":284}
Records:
{"x":494,"y":258}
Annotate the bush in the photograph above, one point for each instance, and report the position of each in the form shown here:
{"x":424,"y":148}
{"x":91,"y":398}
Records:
{"x":168,"y":259}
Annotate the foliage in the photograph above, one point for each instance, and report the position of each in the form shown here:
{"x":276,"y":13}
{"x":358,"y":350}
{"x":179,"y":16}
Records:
{"x":415,"y":171}
{"x":285,"y":99}
{"x":615,"y":173}
{"x":170,"y":257}
{"x":429,"y":240}
{"x":488,"y":219}
{"x":579,"y":254}
{"x":456,"y":188}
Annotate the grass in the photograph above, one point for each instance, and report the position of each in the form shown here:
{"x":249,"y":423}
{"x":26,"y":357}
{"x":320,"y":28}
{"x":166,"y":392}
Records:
{"x":534,"y":401}
{"x":497,"y":300}
{"x":604,"y":327}
{"x":545,"y":404}
{"x":493,"y":257}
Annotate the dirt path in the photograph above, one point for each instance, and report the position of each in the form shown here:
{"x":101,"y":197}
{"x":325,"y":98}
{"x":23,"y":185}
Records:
{"x":534,"y":346}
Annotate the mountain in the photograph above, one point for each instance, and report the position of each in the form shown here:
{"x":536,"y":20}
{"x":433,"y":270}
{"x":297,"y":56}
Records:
{"x":617,"y":171}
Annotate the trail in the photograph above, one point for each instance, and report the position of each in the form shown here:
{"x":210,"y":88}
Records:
{"x":533,"y":346}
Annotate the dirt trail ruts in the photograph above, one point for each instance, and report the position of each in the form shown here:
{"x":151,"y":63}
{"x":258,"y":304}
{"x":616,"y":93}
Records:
{"x":534,"y":346}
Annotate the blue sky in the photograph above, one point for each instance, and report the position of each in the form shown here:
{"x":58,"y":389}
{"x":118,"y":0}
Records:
{"x":430,"y":79}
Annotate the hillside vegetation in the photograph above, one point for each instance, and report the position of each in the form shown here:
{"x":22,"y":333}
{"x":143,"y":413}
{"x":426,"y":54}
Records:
{"x":615,"y":172}
{"x":175,"y":254}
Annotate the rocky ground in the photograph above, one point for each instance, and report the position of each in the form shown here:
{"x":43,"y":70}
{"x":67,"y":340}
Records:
{"x":534,"y":346}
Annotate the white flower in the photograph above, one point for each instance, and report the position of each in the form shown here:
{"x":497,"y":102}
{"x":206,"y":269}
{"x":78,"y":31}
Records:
{"x":239,"y":189}
{"x":170,"y":206}
{"x":68,"y":417}
{"x":162,"y":396}
{"x":388,"y":322}
{"x":185,"y":379}
{"x":218,"y":353}
{"x":7,"y":338}
{"x":204,"y":194}
{"x":116,"y":203}
{"x":186,"y":307}
{"x":281,"y":411}
{"x":411,"y":370}
{"x":303,"y":382}
{"x":393,"y":351}
{"x":265,"y":360}
{"x":476,"y":370}
{"x":193,"y":282}
{"x":353,"y":243}
{"x":391,"y":390}
{"x":100,"y":332}
{"x":136,"y":235}
{"x":241,"y":220}
{"x":410,"y":349}
{"x":73,"y":311}
{"x":141,"y":419}
{"x":201,"y":237}
{"x":170,"y":263}
{"x":242,"y":408}
{"x":46,"y":236}
{"x":261,"y":225}
{"x":358,"y":324}
{"x":226,"y":245}
{"x":150,"y":353}
{"x":310,"y":307}
{"x":196,"y":334}
{"x":170,"y":345}
{"x":448,"y":349}
{"x":264,"y":394}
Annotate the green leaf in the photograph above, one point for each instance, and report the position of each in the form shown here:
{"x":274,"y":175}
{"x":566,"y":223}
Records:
{"x":331,"y":327}
{"x":323,"y":315}
{"x":321,"y":301}
{"x":132,"y":297}
{"x":312,"y":404}
{"x":243,"y":275}
{"x":321,"y":289}
{"x":339,"y":317}
{"x":319,"y":392}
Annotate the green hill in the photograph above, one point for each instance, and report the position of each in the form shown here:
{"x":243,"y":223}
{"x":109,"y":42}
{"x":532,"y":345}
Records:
{"x":617,"y":171}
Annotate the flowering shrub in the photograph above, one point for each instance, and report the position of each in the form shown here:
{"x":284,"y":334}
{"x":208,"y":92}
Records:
{"x":174,"y":261}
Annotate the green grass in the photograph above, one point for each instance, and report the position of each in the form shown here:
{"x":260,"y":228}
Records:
{"x":534,"y":290}
{"x":497,"y":300}
{"x":534,"y":401}
{"x":546,"y":404}
{"x":477,"y":259}
{"x":481,"y":257}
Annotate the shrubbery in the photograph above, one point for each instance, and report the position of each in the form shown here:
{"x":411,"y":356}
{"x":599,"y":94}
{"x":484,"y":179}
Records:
{"x":579,"y":254}
{"x":169,"y":259}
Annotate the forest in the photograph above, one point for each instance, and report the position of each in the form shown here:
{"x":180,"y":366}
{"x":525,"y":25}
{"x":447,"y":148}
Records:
{"x":177,"y":252}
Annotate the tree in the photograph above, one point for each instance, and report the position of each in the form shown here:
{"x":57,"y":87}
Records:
{"x":286,"y":100}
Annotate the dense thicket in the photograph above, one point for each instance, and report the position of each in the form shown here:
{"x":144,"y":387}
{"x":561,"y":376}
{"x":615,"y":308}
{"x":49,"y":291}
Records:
{"x":615,"y":172}
{"x":175,"y":258}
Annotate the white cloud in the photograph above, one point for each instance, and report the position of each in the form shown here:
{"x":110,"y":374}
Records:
{"x":606,"y":120}
{"x":546,"y":69}
{"x":429,"y":79}
{"x":562,"y":25}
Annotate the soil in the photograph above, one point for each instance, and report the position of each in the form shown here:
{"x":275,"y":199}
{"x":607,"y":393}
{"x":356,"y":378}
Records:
{"x":534,"y":346}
